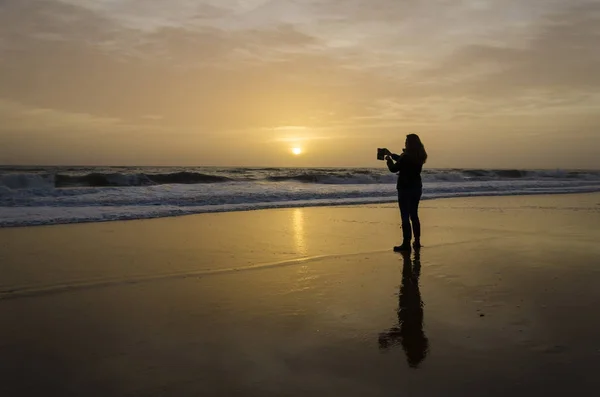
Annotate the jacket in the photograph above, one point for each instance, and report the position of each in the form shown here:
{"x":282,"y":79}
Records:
{"x":408,"y":169}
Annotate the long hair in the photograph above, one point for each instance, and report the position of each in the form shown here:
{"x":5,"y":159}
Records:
{"x":415,"y":148}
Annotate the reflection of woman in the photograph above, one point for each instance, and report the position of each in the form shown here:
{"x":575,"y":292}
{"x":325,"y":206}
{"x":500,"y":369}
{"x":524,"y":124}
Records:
{"x":409,"y":332}
{"x":409,"y":165}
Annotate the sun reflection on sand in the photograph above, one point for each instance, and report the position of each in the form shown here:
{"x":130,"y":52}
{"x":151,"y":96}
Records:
{"x":298,"y":230}
{"x":305,"y":276}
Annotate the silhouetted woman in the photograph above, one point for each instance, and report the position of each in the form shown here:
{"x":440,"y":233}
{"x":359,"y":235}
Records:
{"x":409,"y":165}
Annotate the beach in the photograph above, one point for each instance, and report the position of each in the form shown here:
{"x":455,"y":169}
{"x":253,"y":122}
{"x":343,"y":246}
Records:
{"x":501,"y":300}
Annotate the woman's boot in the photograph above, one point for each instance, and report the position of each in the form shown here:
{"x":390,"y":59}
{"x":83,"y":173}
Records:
{"x":404,"y":247}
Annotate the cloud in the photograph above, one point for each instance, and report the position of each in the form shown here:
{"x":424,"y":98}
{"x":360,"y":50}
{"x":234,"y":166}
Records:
{"x":19,"y":118}
{"x":183,"y":75}
{"x":52,"y":136}
{"x":344,"y":68}
{"x":24,"y":21}
{"x":560,"y":55}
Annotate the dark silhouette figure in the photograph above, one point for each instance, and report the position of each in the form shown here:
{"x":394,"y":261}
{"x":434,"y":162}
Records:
{"x":409,"y":332}
{"x":409,"y":165}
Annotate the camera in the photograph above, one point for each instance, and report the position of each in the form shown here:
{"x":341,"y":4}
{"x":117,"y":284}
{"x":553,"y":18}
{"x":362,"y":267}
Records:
{"x":381,"y":152}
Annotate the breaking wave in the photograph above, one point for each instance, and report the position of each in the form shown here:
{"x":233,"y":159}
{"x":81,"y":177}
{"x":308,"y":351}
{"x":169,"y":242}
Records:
{"x":119,"y":179}
{"x":38,"y":179}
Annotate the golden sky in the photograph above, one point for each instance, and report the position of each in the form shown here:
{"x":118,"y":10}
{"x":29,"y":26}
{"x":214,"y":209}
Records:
{"x":485,"y":83}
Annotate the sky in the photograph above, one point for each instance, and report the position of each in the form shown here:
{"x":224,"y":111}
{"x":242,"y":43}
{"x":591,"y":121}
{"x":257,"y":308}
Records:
{"x":484,"y":83}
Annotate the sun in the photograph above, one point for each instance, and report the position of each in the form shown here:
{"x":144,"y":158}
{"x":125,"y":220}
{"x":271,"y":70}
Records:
{"x":297,"y":151}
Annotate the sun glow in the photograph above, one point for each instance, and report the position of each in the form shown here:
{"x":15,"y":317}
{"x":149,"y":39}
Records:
{"x":297,"y":151}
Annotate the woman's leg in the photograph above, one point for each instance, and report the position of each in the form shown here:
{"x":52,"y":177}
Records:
{"x":404,"y":201}
{"x":414,"y":215}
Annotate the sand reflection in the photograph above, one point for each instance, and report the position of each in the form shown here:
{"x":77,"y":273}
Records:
{"x":409,"y":331}
{"x":298,"y":231}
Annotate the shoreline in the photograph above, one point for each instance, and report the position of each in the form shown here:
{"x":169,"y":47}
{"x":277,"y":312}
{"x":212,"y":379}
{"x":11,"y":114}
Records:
{"x":293,"y":235}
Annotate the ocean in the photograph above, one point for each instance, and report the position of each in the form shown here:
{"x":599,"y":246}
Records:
{"x":58,"y":195}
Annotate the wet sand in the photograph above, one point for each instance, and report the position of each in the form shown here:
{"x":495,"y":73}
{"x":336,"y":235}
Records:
{"x":502,"y":300}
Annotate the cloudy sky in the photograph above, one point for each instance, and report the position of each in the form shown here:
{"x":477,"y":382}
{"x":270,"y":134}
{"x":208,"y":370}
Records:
{"x":486,"y":83}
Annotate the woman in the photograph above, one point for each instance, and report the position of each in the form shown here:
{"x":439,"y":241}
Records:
{"x":409,"y":165}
